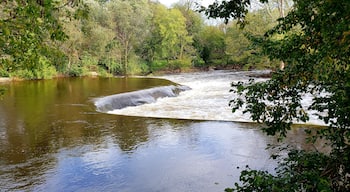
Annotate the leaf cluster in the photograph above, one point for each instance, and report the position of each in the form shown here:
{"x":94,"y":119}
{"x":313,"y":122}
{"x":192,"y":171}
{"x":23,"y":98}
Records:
{"x":231,"y":9}
{"x":299,"y":171}
{"x":28,"y":30}
{"x":277,"y":102}
{"x":313,"y":41}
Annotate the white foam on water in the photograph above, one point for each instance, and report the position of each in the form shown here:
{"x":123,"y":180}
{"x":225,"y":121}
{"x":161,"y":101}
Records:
{"x":208,"y":98}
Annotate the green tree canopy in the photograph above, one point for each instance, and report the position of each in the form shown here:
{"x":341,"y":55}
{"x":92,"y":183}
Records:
{"x":227,"y":9}
{"x":27,"y":30}
{"x":131,"y":23}
{"x":171,"y":29}
{"x":46,"y":38}
{"x":169,"y":44}
{"x":212,"y":40}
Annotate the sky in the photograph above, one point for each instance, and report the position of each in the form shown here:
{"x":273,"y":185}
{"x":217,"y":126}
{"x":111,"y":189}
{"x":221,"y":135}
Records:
{"x":168,"y":3}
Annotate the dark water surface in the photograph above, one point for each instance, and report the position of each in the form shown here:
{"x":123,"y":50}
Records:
{"x":52,"y":139}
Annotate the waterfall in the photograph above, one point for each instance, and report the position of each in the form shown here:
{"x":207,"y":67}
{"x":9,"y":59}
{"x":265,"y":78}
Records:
{"x":206,"y":99}
{"x":136,"y":98}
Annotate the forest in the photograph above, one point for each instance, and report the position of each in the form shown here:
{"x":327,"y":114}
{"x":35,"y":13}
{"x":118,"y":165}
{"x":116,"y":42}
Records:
{"x":46,"y":39}
{"x":307,"y":39}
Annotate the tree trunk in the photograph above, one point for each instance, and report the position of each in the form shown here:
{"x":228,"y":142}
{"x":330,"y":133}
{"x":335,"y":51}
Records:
{"x":280,"y":7}
{"x":181,"y":51}
{"x":126,"y":52}
{"x":281,"y":10}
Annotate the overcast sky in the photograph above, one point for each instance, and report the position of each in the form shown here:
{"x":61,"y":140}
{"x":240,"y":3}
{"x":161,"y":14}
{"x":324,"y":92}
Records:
{"x":168,"y":3}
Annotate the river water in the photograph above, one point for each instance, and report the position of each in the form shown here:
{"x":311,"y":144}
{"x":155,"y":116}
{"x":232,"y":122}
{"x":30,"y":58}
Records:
{"x":68,"y":134}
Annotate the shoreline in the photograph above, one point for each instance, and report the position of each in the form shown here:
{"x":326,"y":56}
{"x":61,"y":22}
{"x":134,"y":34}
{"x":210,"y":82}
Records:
{"x":158,"y":73}
{"x":5,"y":79}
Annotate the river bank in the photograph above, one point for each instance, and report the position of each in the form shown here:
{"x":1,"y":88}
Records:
{"x":5,"y":79}
{"x":150,"y":74}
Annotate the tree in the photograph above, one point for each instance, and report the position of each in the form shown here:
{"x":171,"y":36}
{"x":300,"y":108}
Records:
{"x":240,"y":50}
{"x":315,"y":45}
{"x":169,"y":42}
{"x":228,"y":9}
{"x":194,"y":27}
{"x":212,"y":40}
{"x":131,"y":25}
{"x":172,"y":31}
{"x":28,"y":30}
{"x":101,"y":49}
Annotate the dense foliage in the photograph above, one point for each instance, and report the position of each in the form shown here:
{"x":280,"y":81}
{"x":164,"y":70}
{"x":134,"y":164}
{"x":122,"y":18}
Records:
{"x":43,"y":39}
{"x":28,"y":32}
{"x":313,"y":41}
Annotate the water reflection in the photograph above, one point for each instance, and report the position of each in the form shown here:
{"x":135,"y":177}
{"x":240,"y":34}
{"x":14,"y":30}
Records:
{"x":171,"y":155}
{"x":39,"y":118}
{"x":52,"y":139}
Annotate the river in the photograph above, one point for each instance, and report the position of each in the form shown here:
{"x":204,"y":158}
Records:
{"x":68,"y":135}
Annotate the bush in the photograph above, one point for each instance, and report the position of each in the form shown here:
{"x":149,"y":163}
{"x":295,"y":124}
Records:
{"x":300,"y":171}
{"x":111,"y":66}
{"x":199,"y":62}
{"x":42,"y":69}
{"x":46,"y":73}
{"x":4,"y":73}
{"x":87,"y":60}
{"x":158,"y":65}
{"x":23,"y":74}
{"x":135,"y":66}
{"x":180,"y":64}
{"x":77,"y":70}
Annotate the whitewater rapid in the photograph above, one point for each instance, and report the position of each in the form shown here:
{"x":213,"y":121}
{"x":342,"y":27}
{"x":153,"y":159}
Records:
{"x":207,"y":99}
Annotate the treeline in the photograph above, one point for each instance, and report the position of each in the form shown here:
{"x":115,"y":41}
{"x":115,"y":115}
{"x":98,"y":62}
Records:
{"x":43,"y":39}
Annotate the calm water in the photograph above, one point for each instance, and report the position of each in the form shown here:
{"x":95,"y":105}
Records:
{"x":53,"y":139}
